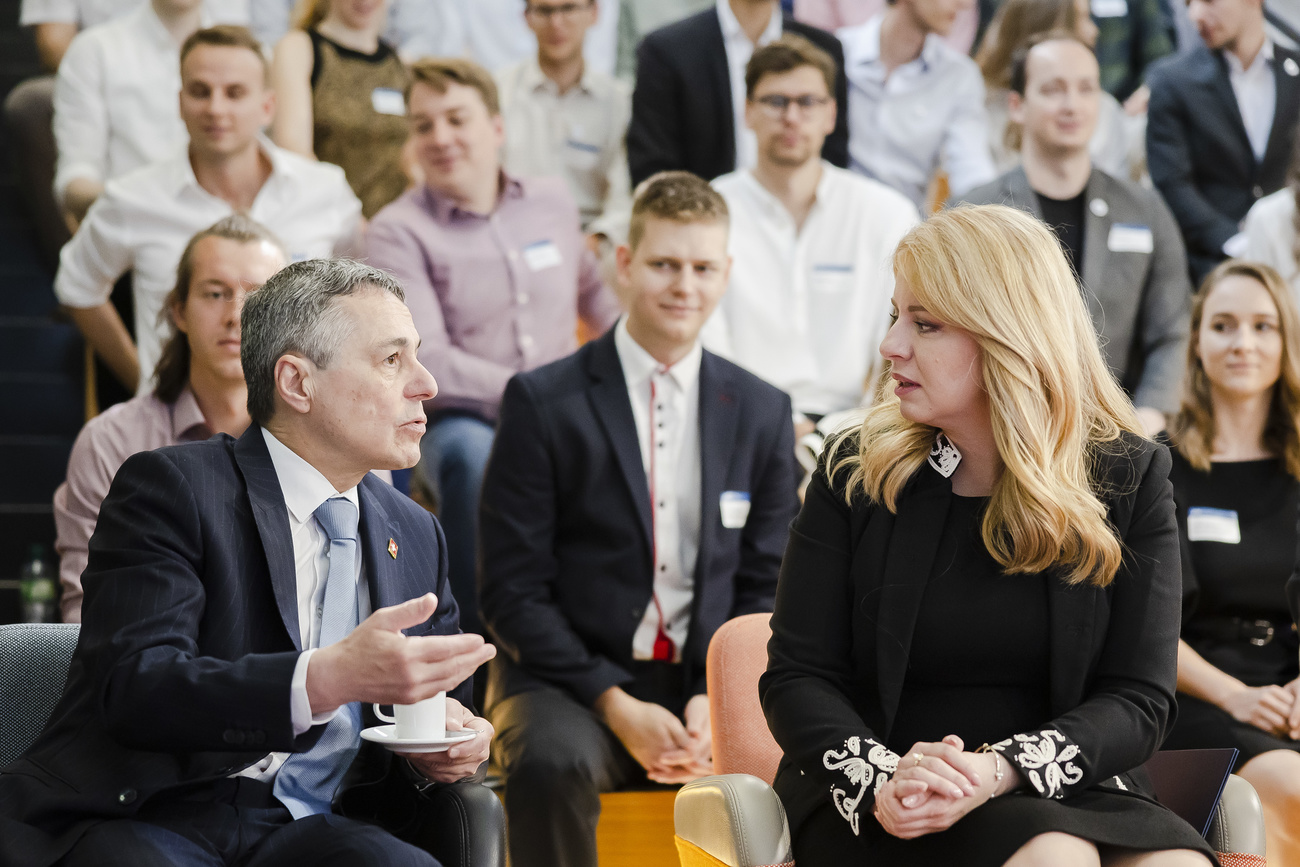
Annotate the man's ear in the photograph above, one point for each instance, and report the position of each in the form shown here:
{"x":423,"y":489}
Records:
{"x":295,"y":383}
{"x":1016,"y":107}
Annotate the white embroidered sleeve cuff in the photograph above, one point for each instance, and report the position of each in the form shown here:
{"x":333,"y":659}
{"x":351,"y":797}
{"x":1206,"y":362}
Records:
{"x":1047,"y":759}
{"x":872,"y":770}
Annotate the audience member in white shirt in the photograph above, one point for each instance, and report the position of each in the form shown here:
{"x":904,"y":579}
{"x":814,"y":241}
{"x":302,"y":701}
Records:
{"x":810,"y":243}
{"x":1270,"y":231}
{"x":915,"y":104}
{"x":115,"y":98}
{"x":143,"y":220}
{"x":56,"y":22}
{"x":563,"y":117}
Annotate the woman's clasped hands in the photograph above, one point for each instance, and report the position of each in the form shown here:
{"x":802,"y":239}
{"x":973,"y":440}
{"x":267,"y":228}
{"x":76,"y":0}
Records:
{"x":935,"y":785}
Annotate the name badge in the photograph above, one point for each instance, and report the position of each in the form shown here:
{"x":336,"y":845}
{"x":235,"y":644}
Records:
{"x":541,"y":255}
{"x":833,"y":268}
{"x":580,"y":155}
{"x":1109,"y":8}
{"x":385,"y":100}
{"x":1130,"y":238}
{"x":1213,"y":525}
{"x":734,"y":506}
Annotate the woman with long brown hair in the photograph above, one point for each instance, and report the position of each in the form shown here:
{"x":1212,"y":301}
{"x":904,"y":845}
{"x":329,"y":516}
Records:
{"x":1236,"y":477}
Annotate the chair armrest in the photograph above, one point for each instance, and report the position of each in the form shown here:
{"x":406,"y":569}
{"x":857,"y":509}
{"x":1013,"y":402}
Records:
{"x":1238,"y":823}
{"x":462,"y":825}
{"x":735,"y":819}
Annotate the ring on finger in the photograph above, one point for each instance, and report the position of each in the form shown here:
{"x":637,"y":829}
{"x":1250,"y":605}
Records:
{"x":916,"y":758}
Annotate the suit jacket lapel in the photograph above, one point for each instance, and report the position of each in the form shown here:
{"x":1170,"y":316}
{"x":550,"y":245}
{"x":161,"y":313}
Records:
{"x":610,"y":403}
{"x":720,"y":79}
{"x":1215,"y":77}
{"x":719,"y":413}
{"x":1096,"y":239}
{"x":1017,"y":192}
{"x":387,"y":581}
{"x":1286,"y":72}
{"x":272,"y":518}
{"x":912,"y":549}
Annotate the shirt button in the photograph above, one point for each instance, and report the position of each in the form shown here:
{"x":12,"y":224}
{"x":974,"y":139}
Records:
{"x":663,"y":567}
{"x":523,"y":298}
{"x":512,"y":256}
{"x":662,"y":504}
{"x":526,"y":341}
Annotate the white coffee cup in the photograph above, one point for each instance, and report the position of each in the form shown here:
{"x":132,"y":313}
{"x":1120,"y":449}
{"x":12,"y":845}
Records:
{"x":424,"y":720}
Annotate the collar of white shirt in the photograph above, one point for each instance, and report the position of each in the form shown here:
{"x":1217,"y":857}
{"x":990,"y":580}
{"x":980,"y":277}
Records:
{"x":146,"y":21}
{"x":731,"y":30}
{"x":1265,"y":55}
{"x":182,"y":176}
{"x":638,"y":365}
{"x":303,"y":486}
{"x":862,"y":46}
{"x":532,"y":79}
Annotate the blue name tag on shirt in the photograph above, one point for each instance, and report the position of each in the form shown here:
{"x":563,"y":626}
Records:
{"x":734,"y":506}
{"x":830,"y":268}
{"x":1213,"y":525}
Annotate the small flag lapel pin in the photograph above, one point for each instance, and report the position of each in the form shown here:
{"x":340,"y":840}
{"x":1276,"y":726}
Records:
{"x":392,"y":549}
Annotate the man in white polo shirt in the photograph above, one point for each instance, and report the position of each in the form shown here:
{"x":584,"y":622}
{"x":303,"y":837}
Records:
{"x":810,"y":243}
{"x":143,"y":220}
{"x":115,"y":97}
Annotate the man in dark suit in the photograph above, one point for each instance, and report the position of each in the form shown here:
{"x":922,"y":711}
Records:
{"x":1220,"y":126}
{"x":637,"y":497}
{"x":1121,"y":239}
{"x":689,"y":100}
{"x":210,"y":715}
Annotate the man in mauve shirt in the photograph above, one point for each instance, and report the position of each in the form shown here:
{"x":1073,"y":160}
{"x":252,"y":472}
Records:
{"x":496,"y":273}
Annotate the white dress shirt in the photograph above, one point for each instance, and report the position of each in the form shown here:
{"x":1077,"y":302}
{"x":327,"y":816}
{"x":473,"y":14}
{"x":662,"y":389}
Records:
{"x":739,"y":50}
{"x":304,"y":489}
{"x":144,"y":219}
{"x":578,"y":135}
{"x":1256,"y":92}
{"x":1270,"y":236}
{"x":88,"y":13}
{"x":927,"y":113}
{"x":666,"y":407}
{"x":115,"y":97}
{"x":807,"y":308}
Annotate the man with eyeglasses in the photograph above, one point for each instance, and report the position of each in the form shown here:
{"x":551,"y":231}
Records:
{"x":810,"y":244}
{"x":688,"y":106}
{"x":563,"y":117}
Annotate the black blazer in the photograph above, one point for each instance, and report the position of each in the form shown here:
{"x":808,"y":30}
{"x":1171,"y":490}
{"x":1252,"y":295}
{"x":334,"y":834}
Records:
{"x":183,"y":668}
{"x":1198,"y":152}
{"x":847,"y":602}
{"x":682,"y":116}
{"x":566,"y":570}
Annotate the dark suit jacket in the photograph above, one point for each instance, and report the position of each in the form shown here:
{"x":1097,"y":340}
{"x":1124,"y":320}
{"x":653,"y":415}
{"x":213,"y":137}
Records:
{"x":1198,"y":152}
{"x":183,"y":669}
{"x":567,"y":568}
{"x":681,"y":106}
{"x":1140,"y":302}
{"x":849,"y":596}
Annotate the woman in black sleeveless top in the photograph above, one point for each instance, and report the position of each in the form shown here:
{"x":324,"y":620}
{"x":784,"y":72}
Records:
{"x":1235,"y":471}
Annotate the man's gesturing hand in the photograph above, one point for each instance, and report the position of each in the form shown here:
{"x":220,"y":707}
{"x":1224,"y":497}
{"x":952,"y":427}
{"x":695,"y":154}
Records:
{"x":377,"y":663}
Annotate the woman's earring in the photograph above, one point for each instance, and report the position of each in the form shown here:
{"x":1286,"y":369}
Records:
{"x":944,"y":456}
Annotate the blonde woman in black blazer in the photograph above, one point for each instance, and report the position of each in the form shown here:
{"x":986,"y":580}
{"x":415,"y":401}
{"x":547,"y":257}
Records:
{"x":991,"y":559}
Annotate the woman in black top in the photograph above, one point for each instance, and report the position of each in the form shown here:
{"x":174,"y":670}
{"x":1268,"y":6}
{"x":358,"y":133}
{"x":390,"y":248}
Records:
{"x":991,"y":558}
{"x":1235,"y":471}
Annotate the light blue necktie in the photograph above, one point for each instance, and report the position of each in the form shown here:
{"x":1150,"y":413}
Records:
{"x":307,"y":781}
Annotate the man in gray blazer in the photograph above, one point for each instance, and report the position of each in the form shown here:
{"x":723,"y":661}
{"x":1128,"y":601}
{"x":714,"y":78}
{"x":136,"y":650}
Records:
{"x":1121,"y":239}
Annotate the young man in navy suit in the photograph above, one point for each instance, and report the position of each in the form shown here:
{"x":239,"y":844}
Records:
{"x":245,"y":602}
{"x":638,"y":496}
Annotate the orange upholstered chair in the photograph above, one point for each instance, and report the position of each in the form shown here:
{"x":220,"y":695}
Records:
{"x":734,"y":819}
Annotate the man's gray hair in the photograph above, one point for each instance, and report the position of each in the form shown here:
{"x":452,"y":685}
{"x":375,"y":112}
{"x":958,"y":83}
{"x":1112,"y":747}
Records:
{"x":296,"y":312}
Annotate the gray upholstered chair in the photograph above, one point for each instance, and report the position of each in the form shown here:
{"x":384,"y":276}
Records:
{"x":734,"y":819}
{"x":464,"y":823}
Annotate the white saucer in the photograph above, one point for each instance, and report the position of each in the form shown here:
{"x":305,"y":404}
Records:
{"x":387,"y":736}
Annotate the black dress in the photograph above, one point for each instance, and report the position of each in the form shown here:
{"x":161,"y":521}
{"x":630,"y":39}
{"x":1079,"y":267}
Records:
{"x":982,"y":691}
{"x":1233,"y":592}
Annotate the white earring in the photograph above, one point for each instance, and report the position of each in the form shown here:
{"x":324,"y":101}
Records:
{"x":944,"y":456}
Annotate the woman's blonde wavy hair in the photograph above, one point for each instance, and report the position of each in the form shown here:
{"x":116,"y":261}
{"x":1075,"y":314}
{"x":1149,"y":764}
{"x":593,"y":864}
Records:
{"x":1000,"y":275}
{"x":1193,"y":429}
